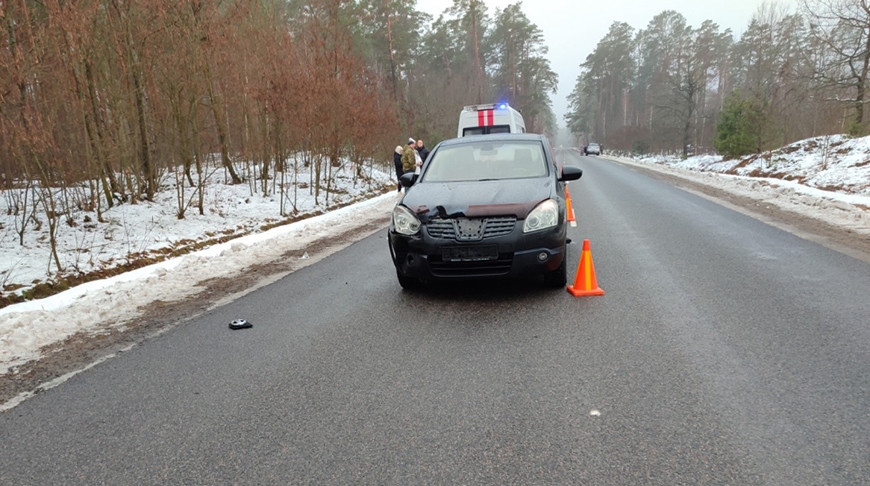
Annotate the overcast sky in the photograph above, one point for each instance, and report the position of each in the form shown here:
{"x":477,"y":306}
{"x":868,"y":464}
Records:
{"x":572,"y":28}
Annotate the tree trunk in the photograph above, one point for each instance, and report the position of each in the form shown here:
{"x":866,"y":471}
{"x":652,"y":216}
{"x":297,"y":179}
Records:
{"x":392,"y":55}
{"x":215,"y":104}
{"x":477,"y":64}
{"x":146,"y":167}
{"x":861,"y":85}
{"x":144,"y":146}
{"x":219,"y":122}
{"x":109,"y":181}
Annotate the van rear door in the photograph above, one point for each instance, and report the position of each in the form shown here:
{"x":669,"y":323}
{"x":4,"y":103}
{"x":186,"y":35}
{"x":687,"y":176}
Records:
{"x":487,"y":119}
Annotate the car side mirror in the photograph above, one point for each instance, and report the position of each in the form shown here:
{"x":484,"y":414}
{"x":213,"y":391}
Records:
{"x":569,"y":173}
{"x":407,"y":179}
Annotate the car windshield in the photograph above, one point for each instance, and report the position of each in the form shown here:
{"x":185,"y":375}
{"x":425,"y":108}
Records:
{"x":487,"y":160}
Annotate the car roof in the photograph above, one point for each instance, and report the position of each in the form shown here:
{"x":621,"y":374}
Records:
{"x":500,"y":137}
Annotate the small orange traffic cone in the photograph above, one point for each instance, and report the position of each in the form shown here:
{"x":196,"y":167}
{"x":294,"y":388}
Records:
{"x":571,"y":218}
{"x":585,"y":282}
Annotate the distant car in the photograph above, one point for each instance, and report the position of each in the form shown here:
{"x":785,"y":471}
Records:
{"x":483,"y":206}
{"x":592,"y":148}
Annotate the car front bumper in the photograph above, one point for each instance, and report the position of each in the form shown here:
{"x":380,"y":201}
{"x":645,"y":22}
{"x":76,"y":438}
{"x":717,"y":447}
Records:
{"x":426,"y":258}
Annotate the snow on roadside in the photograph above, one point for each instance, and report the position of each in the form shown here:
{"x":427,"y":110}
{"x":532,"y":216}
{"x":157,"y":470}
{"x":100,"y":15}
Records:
{"x":845,"y":210}
{"x":825,"y":178}
{"x":130,"y":232}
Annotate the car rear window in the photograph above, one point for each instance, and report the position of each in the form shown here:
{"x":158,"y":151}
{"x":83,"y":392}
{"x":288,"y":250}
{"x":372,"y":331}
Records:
{"x":486,"y":160}
{"x":486,"y":130}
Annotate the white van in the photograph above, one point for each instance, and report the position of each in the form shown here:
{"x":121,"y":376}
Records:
{"x":491,"y":118}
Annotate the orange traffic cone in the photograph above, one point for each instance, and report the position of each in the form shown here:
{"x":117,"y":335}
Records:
{"x":585,"y":283}
{"x":571,"y":218}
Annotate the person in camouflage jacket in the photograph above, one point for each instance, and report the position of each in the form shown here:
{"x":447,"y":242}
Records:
{"x":409,"y":157}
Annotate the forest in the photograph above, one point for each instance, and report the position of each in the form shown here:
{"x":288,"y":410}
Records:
{"x":672,"y":87}
{"x":106,"y":102}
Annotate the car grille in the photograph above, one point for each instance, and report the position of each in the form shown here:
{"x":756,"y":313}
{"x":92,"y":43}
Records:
{"x":466,"y":229}
{"x":492,"y":268}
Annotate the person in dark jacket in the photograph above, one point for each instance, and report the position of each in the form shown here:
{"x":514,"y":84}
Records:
{"x":422,"y":150}
{"x":397,"y":161}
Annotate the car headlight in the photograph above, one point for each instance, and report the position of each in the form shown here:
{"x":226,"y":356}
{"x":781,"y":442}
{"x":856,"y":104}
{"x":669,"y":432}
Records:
{"x":404,"y":221}
{"x":545,"y":215}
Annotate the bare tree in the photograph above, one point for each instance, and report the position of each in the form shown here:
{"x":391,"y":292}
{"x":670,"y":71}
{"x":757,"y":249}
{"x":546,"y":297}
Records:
{"x":843,"y":26}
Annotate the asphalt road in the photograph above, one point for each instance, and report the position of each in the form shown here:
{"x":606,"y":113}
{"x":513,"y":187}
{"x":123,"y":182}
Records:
{"x":724,"y":351}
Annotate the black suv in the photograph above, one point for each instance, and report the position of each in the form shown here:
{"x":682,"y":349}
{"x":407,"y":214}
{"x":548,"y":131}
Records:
{"x":483,"y":206}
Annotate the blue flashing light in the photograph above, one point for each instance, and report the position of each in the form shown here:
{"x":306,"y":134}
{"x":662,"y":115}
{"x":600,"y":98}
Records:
{"x":502,"y":106}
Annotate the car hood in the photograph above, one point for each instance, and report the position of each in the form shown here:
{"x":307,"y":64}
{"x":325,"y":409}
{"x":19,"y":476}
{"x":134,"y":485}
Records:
{"x":477,"y":198}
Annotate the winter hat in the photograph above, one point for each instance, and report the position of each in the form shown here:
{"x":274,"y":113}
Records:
{"x":410,"y":141}
{"x":399,"y":149}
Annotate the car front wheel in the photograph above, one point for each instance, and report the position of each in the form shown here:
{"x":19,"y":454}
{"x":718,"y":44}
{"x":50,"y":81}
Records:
{"x":558,"y":277}
{"x":407,"y":283}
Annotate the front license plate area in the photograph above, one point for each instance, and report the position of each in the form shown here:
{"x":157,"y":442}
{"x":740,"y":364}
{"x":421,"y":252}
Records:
{"x":469,"y":253}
